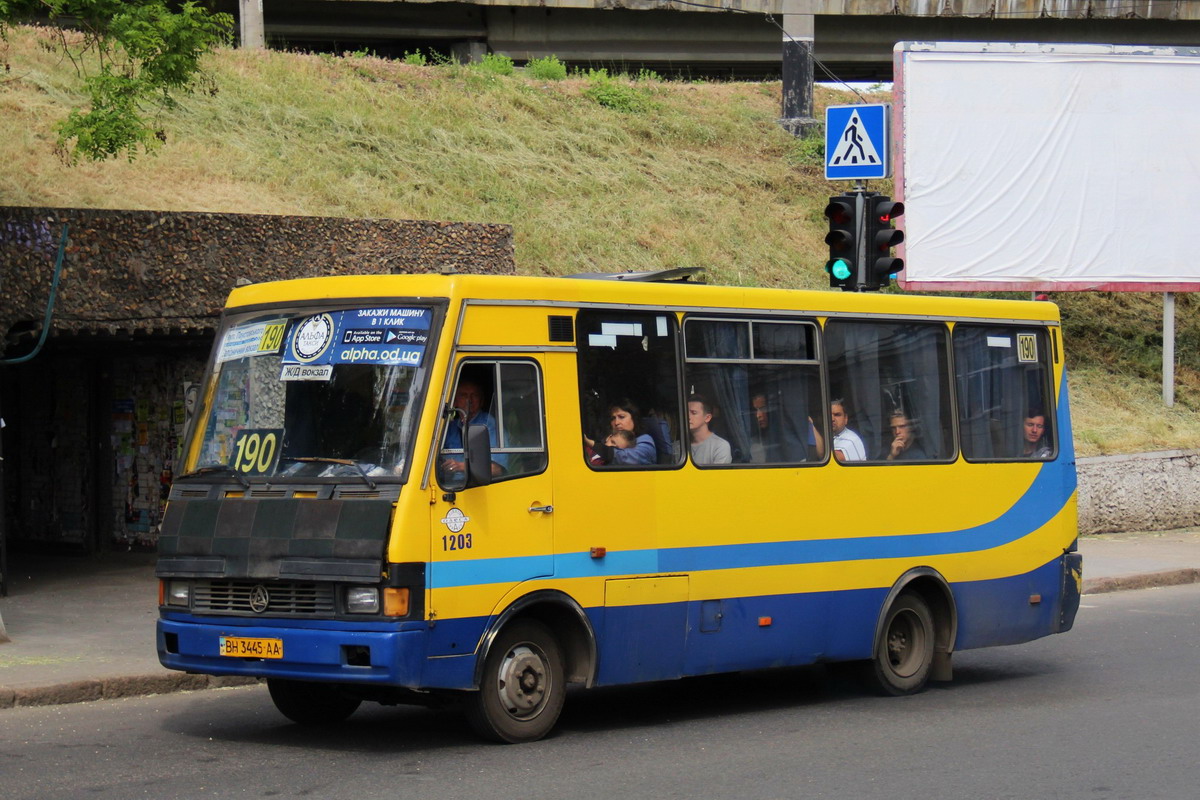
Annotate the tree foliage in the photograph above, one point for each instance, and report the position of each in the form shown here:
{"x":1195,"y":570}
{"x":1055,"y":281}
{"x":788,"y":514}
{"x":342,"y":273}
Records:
{"x":134,"y":58}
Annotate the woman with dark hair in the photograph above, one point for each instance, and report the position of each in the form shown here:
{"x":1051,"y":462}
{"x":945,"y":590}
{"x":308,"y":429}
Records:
{"x":623,"y":416}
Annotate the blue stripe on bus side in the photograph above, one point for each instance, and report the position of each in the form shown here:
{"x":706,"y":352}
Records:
{"x":1033,"y":510}
{"x":653,"y":642}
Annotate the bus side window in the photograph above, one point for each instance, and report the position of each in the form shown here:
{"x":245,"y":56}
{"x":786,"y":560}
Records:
{"x":897,"y":375}
{"x":628,"y":379}
{"x":761,"y":380}
{"x":1005,"y":406}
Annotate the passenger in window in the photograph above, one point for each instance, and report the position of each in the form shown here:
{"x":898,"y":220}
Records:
{"x":765,"y":444}
{"x":847,"y":445}
{"x":1037,"y":445}
{"x":707,"y":447}
{"x":469,"y":397}
{"x":906,"y":444}
{"x":816,"y":440}
{"x":763,"y":449}
{"x":621,"y":440}
{"x":623,"y":416}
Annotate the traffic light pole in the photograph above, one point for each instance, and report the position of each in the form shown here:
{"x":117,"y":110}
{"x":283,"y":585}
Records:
{"x":860,"y":237}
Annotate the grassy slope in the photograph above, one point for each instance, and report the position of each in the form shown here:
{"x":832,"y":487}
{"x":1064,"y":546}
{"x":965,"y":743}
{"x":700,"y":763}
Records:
{"x":702,"y":177}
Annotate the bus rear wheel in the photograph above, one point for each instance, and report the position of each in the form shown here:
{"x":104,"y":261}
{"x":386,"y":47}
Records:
{"x":904,"y":652}
{"x":311,"y":703}
{"x":522,"y":689}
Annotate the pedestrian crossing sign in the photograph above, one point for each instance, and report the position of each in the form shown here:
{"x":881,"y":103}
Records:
{"x":857,"y":142}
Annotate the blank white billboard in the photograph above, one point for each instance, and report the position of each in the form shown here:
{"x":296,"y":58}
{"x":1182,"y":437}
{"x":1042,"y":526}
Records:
{"x":1048,"y":167}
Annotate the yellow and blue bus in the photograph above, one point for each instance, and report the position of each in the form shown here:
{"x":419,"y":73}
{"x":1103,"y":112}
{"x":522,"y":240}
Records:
{"x":431,"y":488}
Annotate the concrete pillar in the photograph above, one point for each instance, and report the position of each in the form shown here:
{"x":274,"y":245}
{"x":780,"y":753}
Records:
{"x":250,"y":24}
{"x":798,"y":31}
{"x":471,"y":52}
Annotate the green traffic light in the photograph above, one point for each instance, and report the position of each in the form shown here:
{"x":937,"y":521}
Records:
{"x":839,"y":269}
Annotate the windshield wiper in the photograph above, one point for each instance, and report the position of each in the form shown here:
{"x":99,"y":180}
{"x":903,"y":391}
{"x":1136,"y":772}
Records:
{"x":346,"y":462}
{"x":219,"y":468}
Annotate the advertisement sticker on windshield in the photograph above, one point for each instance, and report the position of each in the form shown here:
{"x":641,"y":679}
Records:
{"x":386,"y":336}
{"x":311,"y":338}
{"x":306,"y":372}
{"x":383,"y":336}
{"x":389,"y":318}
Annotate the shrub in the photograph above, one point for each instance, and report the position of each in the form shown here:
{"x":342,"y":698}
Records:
{"x":416,"y":58}
{"x":612,"y":94}
{"x":808,"y":150}
{"x":495,"y":63}
{"x":546,"y":69}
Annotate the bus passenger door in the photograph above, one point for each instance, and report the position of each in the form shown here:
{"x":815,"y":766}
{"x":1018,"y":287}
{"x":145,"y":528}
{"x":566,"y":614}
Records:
{"x":487,"y":539}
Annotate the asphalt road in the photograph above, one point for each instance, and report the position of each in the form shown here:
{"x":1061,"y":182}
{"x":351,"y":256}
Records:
{"x":1107,"y":711}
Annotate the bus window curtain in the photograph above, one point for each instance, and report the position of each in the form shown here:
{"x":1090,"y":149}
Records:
{"x":921,"y":355}
{"x":791,"y":387}
{"x":728,"y":384}
{"x":855,"y":374}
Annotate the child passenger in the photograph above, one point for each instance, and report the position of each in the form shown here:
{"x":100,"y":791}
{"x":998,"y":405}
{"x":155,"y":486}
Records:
{"x":622,"y":440}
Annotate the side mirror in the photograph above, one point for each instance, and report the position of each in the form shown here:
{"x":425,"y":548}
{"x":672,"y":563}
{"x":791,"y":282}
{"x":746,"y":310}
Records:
{"x":478,"y":454}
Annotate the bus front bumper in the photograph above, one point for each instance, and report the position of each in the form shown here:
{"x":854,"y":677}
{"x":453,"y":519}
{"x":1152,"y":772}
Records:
{"x":342,"y":652}
{"x":1072,"y":588}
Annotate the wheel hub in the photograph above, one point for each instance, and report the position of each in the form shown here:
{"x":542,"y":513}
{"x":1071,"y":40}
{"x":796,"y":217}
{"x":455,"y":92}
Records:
{"x":523,"y":682}
{"x":902,"y":650}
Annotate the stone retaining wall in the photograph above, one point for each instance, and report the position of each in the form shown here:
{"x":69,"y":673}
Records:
{"x":1139,"y":492}
{"x":158,"y":272}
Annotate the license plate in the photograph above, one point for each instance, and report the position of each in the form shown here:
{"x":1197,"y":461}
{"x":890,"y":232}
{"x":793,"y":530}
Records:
{"x":242,"y":647}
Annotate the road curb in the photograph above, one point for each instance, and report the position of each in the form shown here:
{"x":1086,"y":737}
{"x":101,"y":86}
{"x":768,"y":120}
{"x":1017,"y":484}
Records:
{"x":1171,"y":577}
{"x":114,"y":688}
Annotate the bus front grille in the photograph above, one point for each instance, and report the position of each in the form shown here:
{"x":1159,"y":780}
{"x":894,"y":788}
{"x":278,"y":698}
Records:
{"x":282,"y":598}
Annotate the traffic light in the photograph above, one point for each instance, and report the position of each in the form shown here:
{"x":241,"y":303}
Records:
{"x":881,"y":238}
{"x":842,"y":239}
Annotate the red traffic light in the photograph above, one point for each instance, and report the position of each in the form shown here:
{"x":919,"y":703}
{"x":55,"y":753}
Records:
{"x":888,"y":210}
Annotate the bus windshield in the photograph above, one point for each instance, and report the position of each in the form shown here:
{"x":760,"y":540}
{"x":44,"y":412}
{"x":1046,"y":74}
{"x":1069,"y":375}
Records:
{"x":332,"y":394}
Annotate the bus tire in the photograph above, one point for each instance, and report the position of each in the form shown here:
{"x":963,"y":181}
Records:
{"x":522,"y":689}
{"x":904,"y":652}
{"x":308,"y":703}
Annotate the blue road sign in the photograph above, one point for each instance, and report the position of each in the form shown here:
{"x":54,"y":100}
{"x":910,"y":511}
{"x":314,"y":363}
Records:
{"x":857,"y":142}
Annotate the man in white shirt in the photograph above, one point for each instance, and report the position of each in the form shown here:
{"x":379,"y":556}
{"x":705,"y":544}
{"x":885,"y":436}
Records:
{"x":847,"y":445}
{"x":707,"y":447}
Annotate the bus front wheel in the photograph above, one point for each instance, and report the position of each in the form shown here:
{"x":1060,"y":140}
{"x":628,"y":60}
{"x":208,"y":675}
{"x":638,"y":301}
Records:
{"x":311,"y":703}
{"x":904,"y":652}
{"x":522,"y":689}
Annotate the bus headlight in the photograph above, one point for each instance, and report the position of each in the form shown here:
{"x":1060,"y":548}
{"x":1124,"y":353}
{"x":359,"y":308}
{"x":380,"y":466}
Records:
{"x":362,"y":600}
{"x":179,"y":593}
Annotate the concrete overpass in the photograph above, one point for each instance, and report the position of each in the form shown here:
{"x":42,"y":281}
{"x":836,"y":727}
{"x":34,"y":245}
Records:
{"x":709,"y":38}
